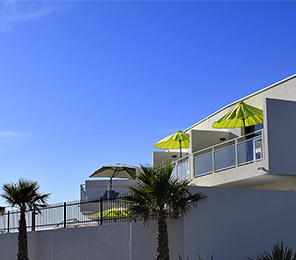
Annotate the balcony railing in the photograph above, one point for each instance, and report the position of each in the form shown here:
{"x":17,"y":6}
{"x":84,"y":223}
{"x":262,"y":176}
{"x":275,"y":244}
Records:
{"x":232,"y":153}
{"x":235,"y":152}
{"x":181,"y":168}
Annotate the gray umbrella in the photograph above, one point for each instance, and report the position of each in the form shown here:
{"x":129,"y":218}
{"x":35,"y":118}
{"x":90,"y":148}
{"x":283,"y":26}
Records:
{"x":116,"y":171}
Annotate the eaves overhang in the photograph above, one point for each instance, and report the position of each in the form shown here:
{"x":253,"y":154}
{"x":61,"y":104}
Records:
{"x":242,"y":99}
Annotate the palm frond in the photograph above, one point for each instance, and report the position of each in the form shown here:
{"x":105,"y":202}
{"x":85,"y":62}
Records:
{"x":278,"y":253}
{"x":157,"y":190}
{"x":25,"y":195}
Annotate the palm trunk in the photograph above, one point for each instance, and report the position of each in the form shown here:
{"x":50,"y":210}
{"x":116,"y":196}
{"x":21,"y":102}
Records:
{"x":162,"y":251}
{"x":22,"y":253}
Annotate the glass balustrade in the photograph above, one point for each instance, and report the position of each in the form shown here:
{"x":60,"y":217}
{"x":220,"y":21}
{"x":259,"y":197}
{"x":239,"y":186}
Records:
{"x":236,"y":152}
{"x":258,"y":149}
{"x":203,"y":164}
{"x":225,"y":158}
{"x":183,"y":170}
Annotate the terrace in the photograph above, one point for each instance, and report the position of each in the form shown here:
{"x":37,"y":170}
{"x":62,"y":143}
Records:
{"x":220,"y":157}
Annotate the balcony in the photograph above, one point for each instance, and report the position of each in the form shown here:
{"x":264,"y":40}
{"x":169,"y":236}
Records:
{"x":236,"y":152}
{"x":233,"y":153}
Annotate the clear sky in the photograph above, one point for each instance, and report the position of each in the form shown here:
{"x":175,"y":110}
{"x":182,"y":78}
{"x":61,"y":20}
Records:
{"x":86,"y":84}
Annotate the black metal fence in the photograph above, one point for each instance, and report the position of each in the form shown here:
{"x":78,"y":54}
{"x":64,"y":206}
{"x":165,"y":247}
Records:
{"x":96,"y":211}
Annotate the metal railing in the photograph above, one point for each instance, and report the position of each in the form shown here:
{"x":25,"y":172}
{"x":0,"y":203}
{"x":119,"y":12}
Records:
{"x":233,"y":153}
{"x":91,"y":212}
{"x":96,"y":211}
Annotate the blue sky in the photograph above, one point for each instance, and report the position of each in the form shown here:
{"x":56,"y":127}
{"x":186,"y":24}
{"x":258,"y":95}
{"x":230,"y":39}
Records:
{"x":86,"y":84}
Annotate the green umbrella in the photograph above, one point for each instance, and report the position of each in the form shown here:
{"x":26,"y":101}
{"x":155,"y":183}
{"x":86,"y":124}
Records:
{"x":175,"y":141}
{"x":242,"y":115}
{"x":115,"y":212}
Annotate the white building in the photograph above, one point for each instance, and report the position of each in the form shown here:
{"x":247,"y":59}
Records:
{"x":234,"y":223}
{"x":225,"y":158}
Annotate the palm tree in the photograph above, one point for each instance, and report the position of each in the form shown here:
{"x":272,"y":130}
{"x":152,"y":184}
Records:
{"x":278,"y":253}
{"x":24,"y":195}
{"x":157,"y":192}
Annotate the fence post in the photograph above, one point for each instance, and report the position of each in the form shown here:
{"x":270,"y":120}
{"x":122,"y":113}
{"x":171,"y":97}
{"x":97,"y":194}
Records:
{"x":33,"y":220}
{"x":65,"y":215}
{"x":101,"y":210}
{"x":8,"y":222}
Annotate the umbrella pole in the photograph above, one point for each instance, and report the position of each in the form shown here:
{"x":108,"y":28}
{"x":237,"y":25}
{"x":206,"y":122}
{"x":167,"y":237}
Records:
{"x":247,"y":144}
{"x":180,"y":149}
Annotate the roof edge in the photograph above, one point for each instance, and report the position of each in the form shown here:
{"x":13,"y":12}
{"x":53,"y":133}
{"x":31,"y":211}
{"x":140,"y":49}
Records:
{"x":242,"y":99}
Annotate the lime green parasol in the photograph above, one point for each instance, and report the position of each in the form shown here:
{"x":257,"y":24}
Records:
{"x":115,"y":212}
{"x":242,"y":115}
{"x":175,"y":141}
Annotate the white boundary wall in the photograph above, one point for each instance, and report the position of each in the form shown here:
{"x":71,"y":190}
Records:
{"x":236,"y":223}
{"x":232,"y":223}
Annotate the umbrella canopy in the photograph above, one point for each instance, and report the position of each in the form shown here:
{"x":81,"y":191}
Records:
{"x":115,"y":212}
{"x":116,"y":171}
{"x":175,"y":141}
{"x":242,"y":115}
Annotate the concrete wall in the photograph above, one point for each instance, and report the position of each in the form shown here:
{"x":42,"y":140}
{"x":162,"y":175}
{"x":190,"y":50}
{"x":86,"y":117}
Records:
{"x":233,"y":223}
{"x":281,"y":135}
{"x":144,"y":240}
{"x":200,"y":139}
{"x":124,"y":241}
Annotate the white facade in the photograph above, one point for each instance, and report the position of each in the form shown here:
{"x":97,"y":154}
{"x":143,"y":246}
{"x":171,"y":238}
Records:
{"x":232,"y":223}
{"x":225,"y":158}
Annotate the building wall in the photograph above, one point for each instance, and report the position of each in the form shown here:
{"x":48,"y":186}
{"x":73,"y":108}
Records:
{"x":159,"y":157}
{"x":281,"y":139}
{"x":233,"y":223}
{"x":236,"y":223}
{"x":124,"y":241}
{"x":200,"y":139}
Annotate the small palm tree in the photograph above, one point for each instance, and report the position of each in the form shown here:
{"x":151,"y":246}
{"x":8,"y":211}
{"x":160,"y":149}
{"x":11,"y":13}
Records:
{"x":24,"y":195}
{"x":199,"y":257}
{"x":157,"y":192}
{"x":278,"y":253}
{"x":2,"y":210}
